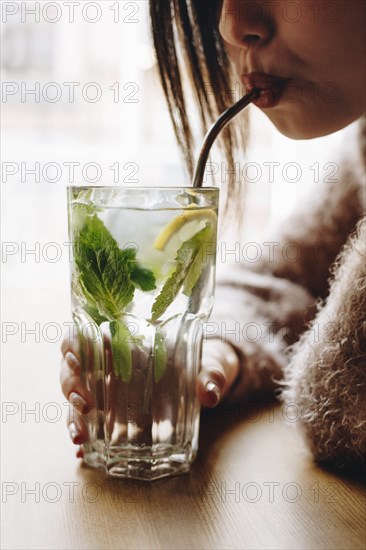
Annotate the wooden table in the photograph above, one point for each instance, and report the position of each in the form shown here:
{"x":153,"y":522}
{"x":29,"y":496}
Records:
{"x":252,"y":486}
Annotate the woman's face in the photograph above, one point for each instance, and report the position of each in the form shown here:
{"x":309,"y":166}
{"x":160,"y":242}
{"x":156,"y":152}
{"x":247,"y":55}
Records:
{"x":307,"y":57}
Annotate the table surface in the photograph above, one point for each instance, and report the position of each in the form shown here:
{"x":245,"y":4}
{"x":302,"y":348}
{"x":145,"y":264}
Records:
{"x":253,"y":485}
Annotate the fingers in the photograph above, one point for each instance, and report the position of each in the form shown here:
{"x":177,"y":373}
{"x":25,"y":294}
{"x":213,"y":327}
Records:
{"x":72,"y":346}
{"x":72,"y":386}
{"x":76,"y":393}
{"x":77,"y":427}
{"x":219,"y":369}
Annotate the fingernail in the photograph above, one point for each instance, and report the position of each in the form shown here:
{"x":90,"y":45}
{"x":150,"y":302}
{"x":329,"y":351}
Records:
{"x":80,"y":453}
{"x":74,"y":433}
{"x":72,"y":361}
{"x":213,"y":393}
{"x":79,"y":402}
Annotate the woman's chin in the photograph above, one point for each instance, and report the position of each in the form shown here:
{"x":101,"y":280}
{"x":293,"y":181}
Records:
{"x":308,"y":126}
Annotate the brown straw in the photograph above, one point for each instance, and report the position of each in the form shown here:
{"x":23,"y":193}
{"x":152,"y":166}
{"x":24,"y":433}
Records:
{"x":214,"y":131}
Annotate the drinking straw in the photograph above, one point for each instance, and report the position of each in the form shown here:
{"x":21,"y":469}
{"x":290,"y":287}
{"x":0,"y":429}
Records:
{"x":214,"y":131}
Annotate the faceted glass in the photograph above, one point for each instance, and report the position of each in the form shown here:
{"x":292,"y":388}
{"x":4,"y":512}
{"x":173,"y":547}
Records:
{"x":142,"y":279}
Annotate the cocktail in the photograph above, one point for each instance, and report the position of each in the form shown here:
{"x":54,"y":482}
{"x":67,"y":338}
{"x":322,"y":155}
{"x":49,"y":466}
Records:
{"x":143,"y":275}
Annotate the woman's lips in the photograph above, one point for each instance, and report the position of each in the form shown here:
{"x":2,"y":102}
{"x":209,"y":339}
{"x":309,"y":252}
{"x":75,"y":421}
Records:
{"x":272,"y":88}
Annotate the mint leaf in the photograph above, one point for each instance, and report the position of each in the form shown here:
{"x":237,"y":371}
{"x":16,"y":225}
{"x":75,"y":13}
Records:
{"x":170,"y":289}
{"x":103,"y":269}
{"x":94,"y":313}
{"x":121,"y":352}
{"x":190,"y":261}
{"x":143,"y":277}
{"x":87,"y":300}
{"x":200,"y":261}
{"x":108,"y":275}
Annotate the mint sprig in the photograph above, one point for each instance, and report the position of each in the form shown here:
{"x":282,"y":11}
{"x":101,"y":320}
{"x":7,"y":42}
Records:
{"x":107,"y":277}
{"x":190,"y":261}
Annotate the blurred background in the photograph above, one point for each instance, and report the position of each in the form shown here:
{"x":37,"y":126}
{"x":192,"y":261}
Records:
{"x":81,"y":103}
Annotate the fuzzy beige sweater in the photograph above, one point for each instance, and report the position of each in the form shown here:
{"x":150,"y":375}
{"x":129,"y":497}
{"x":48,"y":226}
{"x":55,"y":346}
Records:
{"x":297,"y":319}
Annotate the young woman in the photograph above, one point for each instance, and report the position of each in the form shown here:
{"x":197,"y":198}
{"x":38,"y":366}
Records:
{"x":308,"y":61}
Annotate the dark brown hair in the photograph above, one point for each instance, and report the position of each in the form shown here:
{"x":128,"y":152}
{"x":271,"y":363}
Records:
{"x":189,"y":28}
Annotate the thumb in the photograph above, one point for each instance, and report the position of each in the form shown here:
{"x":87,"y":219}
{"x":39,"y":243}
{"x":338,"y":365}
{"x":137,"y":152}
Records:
{"x":219,"y":369}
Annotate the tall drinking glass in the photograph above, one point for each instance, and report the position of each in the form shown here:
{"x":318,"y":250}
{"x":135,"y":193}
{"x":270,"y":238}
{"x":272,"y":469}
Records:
{"x":142,"y":278}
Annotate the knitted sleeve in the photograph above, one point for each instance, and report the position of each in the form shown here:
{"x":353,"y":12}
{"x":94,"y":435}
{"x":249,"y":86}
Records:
{"x":326,"y":377}
{"x":263,"y":308}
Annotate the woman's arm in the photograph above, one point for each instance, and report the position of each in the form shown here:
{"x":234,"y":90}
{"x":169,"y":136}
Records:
{"x":326,"y":377}
{"x":262,"y":308}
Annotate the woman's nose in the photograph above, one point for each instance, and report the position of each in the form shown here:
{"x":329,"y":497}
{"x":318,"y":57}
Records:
{"x":245,"y":23}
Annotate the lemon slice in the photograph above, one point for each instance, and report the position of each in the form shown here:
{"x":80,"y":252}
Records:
{"x":176,"y":224}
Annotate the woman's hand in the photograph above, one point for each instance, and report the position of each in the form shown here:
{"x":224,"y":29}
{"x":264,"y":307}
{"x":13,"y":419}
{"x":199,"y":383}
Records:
{"x":76,"y":393}
{"x":219,"y":369}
